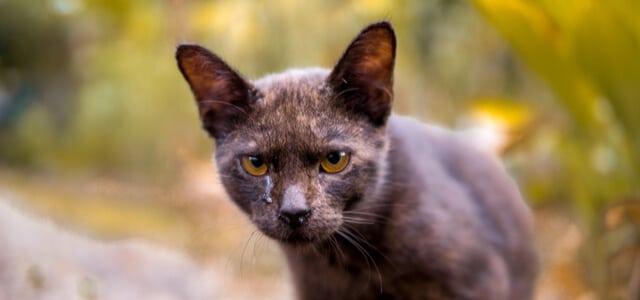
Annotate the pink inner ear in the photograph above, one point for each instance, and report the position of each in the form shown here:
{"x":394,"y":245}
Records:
{"x":221,"y":93}
{"x":364,"y":75}
{"x":370,"y":57}
{"x":378,"y":66}
{"x":210,"y":78}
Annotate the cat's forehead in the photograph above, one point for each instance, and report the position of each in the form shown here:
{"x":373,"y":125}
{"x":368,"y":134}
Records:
{"x":295,"y":107}
{"x":300,"y":96}
{"x":293,"y":76}
{"x":291,"y":84}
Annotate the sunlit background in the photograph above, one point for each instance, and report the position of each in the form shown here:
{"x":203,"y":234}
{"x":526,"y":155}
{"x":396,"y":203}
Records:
{"x":107,"y":190}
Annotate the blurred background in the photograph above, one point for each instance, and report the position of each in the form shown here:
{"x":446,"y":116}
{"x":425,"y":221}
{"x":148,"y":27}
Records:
{"x":100,"y":140}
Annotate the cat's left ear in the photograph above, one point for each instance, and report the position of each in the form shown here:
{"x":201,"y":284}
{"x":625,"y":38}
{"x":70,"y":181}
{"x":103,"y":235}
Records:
{"x":363,"y":77}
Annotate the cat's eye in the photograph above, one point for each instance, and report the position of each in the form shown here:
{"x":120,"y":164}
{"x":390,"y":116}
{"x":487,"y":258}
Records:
{"x":254,"y":165}
{"x":335,"y":162}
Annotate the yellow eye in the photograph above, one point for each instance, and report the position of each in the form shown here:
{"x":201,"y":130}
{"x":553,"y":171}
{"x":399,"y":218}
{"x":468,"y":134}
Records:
{"x":254,"y":165}
{"x":335,"y":162}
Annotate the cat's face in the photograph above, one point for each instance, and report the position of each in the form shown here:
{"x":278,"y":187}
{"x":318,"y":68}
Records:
{"x":310,"y":160}
{"x":296,"y":150}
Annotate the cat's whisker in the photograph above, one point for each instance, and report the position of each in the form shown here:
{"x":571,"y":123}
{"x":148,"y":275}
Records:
{"x":361,"y":238}
{"x":380,"y":206}
{"x":358,"y":236}
{"x":357,"y":246}
{"x":367,"y":257}
{"x":256,"y":244}
{"x":244,"y":249}
{"x":336,"y":248}
{"x":236,"y":248}
{"x":263,"y":240}
{"x":364,"y":215}
{"x":315,"y":249}
{"x":361,"y":221}
{"x":358,"y":222}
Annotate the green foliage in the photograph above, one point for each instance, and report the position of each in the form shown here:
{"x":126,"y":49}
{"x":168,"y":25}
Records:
{"x":587,"y":52}
{"x":126,"y":109}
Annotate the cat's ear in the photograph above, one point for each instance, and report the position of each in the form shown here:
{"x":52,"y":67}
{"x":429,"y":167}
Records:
{"x":222,"y":95}
{"x":363,"y":77}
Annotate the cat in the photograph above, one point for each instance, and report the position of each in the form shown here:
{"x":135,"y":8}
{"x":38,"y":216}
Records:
{"x":365,"y":204}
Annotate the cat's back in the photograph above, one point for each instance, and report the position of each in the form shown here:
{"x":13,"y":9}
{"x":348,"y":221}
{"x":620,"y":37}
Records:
{"x":462,"y":207}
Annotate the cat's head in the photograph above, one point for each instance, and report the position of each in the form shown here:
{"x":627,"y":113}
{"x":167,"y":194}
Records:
{"x":296,"y":151}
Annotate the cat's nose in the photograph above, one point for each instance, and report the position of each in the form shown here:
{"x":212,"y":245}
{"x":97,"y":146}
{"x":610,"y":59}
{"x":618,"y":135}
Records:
{"x":294,"y":210}
{"x":295,"y":216}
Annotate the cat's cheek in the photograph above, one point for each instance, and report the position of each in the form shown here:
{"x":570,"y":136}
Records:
{"x":338,"y":192}
{"x":243,"y":191}
{"x":326,"y":222}
{"x":267,"y":226}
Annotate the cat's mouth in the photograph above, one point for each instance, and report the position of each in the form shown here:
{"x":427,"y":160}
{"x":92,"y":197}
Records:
{"x":314,"y":230}
{"x":299,"y":237}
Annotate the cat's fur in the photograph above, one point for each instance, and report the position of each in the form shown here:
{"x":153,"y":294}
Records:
{"x":417,"y":213}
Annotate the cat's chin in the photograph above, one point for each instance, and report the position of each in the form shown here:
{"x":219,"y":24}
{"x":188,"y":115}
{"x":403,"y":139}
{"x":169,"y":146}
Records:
{"x":301,"y":244}
{"x":310,"y":233}
{"x":299,"y":240}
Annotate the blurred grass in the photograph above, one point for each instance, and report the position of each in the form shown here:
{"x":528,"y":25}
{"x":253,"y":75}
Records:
{"x":209,"y":228}
{"x":98,"y":213}
{"x":213,"y":232}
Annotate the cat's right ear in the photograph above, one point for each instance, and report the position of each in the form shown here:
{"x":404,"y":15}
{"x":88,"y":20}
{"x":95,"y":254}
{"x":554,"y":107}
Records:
{"x":222,"y":95}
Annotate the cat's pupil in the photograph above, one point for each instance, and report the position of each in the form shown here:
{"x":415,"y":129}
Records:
{"x":256,"y":162}
{"x":334,"y":157}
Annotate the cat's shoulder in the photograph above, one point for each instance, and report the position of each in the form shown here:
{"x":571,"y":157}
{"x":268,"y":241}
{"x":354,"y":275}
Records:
{"x":428,"y":138}
{"x":440,"y":147}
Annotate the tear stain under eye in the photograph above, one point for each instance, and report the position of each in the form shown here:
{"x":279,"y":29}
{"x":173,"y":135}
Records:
{"x":266,"y":197}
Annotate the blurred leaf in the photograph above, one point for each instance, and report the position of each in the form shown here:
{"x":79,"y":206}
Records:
{"x":587,"y":52}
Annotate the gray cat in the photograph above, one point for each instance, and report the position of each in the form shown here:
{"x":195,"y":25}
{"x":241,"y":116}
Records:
{"x":365,"y":205}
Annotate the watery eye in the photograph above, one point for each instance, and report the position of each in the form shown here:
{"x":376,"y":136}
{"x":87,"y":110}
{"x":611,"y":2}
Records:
{"x":254,"y":165}
{"x":335,"y":162}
